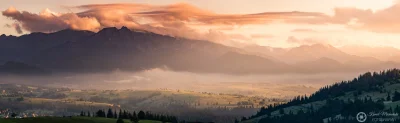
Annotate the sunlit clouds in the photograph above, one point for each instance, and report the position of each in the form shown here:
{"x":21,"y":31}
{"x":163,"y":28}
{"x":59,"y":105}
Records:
{"x":179,"y":20}
{"x":189,"y":21}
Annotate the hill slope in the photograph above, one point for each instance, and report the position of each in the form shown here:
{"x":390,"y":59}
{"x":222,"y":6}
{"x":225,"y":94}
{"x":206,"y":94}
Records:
{"x":18,"y":68}
{"x":370,"y":92}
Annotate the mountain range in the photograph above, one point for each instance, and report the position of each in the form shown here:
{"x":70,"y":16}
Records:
{"x":124,"y":49}
{"x":382,"y":53}
{"x":21,"y":69}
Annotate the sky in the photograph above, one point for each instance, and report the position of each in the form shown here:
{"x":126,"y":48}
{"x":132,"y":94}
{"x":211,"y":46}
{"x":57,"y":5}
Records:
{"x":277,"y":23}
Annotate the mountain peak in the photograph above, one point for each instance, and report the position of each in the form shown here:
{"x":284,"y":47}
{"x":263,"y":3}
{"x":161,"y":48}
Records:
{"x":328,"y":60}
{"x":108,"y":30}
{"x":66,"y":30}
{"x":317,"y":47}
{"x":3,"y":35}
{"x":321,"y":45}
{"x":69,"y":30}
{"x":124,"y":28}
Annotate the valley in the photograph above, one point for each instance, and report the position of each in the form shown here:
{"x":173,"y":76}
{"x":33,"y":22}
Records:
{"x":199,"y":61}
{"x":32,"y":101}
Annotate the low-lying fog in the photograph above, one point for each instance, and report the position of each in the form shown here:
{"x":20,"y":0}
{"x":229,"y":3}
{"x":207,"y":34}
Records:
{"x":282,"y":85}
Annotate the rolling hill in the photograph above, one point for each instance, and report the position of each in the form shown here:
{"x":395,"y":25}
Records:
{"x":340,"y":102}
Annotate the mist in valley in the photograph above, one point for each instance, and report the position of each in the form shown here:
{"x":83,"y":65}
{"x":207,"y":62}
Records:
{"x":267,"y":85}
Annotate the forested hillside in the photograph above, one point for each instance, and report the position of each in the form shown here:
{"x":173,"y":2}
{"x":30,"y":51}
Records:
{"x":340,"y":102}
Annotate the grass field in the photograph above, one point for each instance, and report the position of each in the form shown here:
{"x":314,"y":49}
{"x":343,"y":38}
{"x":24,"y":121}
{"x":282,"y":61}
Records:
{"x":68,"y":120}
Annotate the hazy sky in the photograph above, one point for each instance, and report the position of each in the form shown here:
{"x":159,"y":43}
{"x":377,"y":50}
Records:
{"x":282,"y":23}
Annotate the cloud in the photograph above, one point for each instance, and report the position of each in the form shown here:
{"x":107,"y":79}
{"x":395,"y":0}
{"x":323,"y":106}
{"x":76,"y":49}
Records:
{"x":381,"y":21}
{"x":305,"y":41}
{"x":183,"y":19}
{"x":302,"y":30}
{"x":385,"y":21}
{"x":16,"y":26}
{"x":81,"y":23}
{"x":98,"y":16}
{"x":185,"y":12}
{"x":135,"y":14}
{"x":261,"y":36}
{"x":48,"y":21}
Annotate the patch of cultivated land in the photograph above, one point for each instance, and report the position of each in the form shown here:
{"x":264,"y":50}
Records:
{"x":45,"y":101}
{"x":162,"y":97}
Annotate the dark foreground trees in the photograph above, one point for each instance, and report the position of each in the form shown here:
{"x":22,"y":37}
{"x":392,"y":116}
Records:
{"x":120,"y":120}
{"x":123,"y":114}
{"x":396,"y":96}
{"x":334,"y":111}
{"x":110,"y":114}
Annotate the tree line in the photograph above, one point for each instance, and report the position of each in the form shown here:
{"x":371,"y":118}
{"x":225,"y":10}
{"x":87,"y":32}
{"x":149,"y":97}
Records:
{"x":132,"y":116}
{"x":334,"y":111}
{"x":367,"y":82}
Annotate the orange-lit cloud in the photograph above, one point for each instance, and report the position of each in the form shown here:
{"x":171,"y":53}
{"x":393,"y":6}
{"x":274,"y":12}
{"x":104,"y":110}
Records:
{"x":382,"y":21}
{"x":385,"y":21}
{"x":303,"y":30}
{"x":48,"y":21}
{"x":188,"y":13}
{"x":183,"y":20}
{"x":262,"y":36}
{"x":305,"y":41}
{"x":175,"y":19}
{"x":42,"y":22}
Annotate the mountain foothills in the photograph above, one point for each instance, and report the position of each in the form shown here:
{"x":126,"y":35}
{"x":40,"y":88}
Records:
{"x":340,"y":102}
{"x":133,"y":50}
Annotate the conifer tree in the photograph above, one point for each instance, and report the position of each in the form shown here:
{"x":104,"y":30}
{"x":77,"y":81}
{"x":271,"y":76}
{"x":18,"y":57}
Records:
{"x":110,"y":113}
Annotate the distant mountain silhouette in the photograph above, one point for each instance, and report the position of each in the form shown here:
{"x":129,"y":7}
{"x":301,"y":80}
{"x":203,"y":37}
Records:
{"x":317,"y":51}
{"x":245,"y":63}
{"x":123,"y":49}
{"x":266,"y":51}
{"x":18,"y":68}
{"x":381,"y":53}
{"x":395,"y":58}
{"x":20,"y":48}
{"x":306,"y":53}
{"x":321,"y":64}
{"x":321,"y":58}
{"x":132,"y":50}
